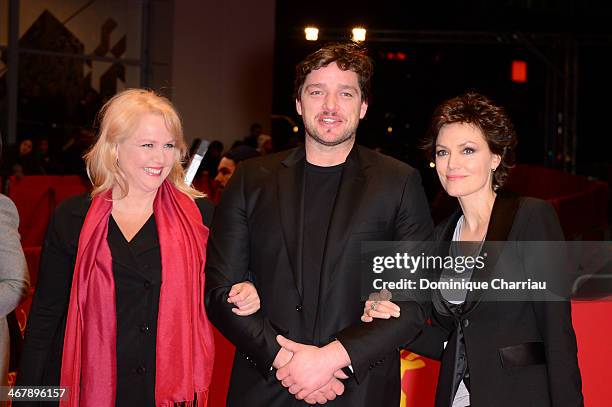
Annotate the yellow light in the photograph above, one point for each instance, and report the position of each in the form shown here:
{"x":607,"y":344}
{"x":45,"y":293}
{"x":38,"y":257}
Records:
{"x":312,"y":33}
{"x":432,"y":164}
{"x":359,"y":34}
{"x":389,"y":129}
{"x":296,"y":129}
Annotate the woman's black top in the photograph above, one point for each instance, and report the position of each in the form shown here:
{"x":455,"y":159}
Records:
{"x":137,"y":275}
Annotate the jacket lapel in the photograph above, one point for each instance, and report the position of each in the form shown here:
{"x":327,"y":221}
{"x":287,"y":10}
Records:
{"x":291,"y":209}
{"x":502,"y":218}
{"x":348,"y":201}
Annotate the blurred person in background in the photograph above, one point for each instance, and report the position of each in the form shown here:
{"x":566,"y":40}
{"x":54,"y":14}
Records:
{"x":254,"y":132}
{"x":73,"y":150}
{"x":204,"y":179}
{"x":44,"y":158}
{"x":25,"y":163}
{"x":211,"y":159}
{"x":264,"y":144}
{"x":229,"y":162}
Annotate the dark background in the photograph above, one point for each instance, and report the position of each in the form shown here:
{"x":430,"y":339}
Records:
{"x":452,"y":47}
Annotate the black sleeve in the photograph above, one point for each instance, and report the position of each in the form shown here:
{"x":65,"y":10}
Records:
{"x":430,"y":341}
{"x":553,"y":317}
{"x":42,"y":354}
{"x":207,"y":210}
{"x":367,"y":343}
{"x":227,"y":263}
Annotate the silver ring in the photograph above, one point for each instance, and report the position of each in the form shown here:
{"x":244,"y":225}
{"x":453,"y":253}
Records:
{"x":373,"y":306}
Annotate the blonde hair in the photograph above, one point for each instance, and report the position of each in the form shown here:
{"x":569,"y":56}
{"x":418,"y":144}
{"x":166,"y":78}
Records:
{"x":118,"y":118}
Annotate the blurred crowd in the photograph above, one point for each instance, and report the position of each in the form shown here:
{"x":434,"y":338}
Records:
{"x":41,"y":156}
{"x":219,"y":164}
{"x":45,"y":156}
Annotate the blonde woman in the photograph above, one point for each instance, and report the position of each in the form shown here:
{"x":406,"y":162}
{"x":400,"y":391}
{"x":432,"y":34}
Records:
{"x":118,"y":315}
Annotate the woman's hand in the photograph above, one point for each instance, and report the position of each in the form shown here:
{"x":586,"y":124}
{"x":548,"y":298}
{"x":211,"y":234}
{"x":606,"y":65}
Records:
{"x":244,"y":296}
{"x":379,"y":309}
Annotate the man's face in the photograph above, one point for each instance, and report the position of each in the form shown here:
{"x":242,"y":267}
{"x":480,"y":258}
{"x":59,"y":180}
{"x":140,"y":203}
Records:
{"x":25,"y":147}
{"x":331,"y":105}
{"x":224,"y":172}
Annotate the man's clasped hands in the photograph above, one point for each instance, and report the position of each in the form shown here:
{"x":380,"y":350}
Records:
{"x":311,"y":373}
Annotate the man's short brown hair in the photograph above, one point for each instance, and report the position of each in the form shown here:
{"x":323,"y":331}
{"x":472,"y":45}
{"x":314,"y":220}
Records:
{"x":348,"y":56}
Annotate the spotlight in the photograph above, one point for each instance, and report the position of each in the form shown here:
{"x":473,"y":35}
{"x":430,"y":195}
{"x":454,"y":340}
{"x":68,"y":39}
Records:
{"x":296,"y":129}
{"x":312,"y":33}
{"x":359,"y":34}
{"x":432,"y":164}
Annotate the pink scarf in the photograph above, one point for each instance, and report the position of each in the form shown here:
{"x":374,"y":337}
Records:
{"x":185,"y":344}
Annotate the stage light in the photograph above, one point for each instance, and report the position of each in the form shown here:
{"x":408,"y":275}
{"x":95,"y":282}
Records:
{"x":389,"y":129}
{"x":296,"y":129}
{"x":359,"y":34}
{"x":312,"y":33}
{"x":432,"y":164}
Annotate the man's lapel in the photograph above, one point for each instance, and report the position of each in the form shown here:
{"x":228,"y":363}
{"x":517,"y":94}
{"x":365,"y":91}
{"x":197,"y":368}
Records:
{"x":291,"y":209}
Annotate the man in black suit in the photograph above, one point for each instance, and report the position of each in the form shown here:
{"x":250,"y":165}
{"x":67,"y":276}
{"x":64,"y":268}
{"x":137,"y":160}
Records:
{"x":294,"y":221}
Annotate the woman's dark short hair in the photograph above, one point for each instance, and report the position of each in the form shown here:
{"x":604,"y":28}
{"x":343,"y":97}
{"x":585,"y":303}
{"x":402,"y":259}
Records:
{"x":495,"y":124}
{"x":348,"y":57}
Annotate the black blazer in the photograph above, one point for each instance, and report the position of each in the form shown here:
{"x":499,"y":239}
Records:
{"x":41,"y":359}
{"x":258,"y":228}
{"x":518,"y":353}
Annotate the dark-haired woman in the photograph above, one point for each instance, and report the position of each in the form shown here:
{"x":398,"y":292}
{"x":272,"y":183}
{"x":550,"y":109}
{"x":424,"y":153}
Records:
{"x":493,"y":353}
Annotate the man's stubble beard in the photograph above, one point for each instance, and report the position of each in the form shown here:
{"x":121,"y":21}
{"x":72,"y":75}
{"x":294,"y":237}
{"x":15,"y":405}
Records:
{"x":314,"y":134}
